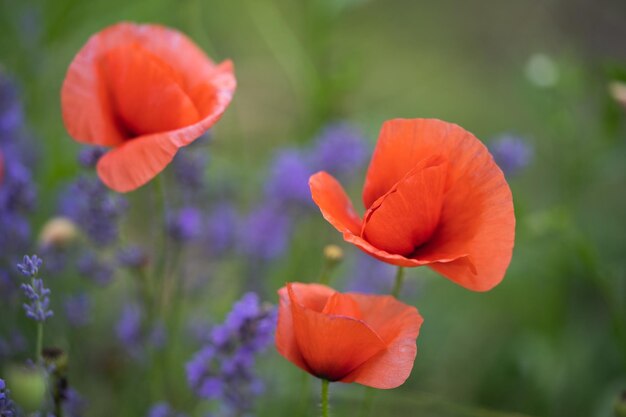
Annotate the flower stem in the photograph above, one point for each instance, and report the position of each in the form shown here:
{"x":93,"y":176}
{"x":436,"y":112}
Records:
{"x":325,"y":398}
{"x":161,"y":226}
{"x":39,"y":343}
{"x":397,"y":286}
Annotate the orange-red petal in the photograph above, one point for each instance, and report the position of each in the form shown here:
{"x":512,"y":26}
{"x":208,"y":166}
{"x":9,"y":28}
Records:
{"x":473,"y":242}
{"x":334,"y":203}
{"x":147,"y":94}
{"x":337,"y":209}
{"x":285,"y":337}
{"x":401,"y":145}
{"x":398,"y":326}
{"x":395,"y":259}
{"x":407,"y":215}
{"x":477,"y":219}
{"x":339,"y":304}
{"x":331,"y":346}
{"x":312,"y":296}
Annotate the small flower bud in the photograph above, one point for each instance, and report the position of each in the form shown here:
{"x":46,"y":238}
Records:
{"x":58,"y":231}
{"x":617,"y":90}
{"x":333,"y":254}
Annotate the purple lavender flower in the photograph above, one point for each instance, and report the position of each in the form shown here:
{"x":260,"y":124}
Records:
{"x":18,"y":190}
{"x":128,"y":328}
{"x":38,"y":308}
{"x":185,"y":225}
{"x":134,"y":335}
{"x":132,"y":256}
{"x":15,"y":234}
{"x":189,"y":169}
{"x":265,"y":233}
{"x":511,"y":153}
{"x":288,"y":180}
{"x":90,"y":266}
{"x":94,"y":208}
{"x":221,"y":226}
{"x":11,"y":115}
{"x":56,"y":258}
{"x":30,"y":266}
{"x":12,"y":345}
{"x":223,"y":368}
{"x":371,"y":276}
{"x":163,"y":409}
{"x":158,"y":335}
{"x":74,"y":404}
{"x":7,"y":286}
{"x":89,"y":156}
{"x":340,"y":149}
{"x":78,"y":310}
{"x":7,"y":407}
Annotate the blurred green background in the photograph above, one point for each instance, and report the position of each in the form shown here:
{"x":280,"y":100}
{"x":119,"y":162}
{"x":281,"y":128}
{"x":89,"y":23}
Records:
{"x":551,"y":339}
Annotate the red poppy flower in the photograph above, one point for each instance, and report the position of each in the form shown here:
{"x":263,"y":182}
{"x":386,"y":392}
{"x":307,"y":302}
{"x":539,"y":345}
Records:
{"x":145,"y":91}
{"x":433,"y":196}
{"x":367,"y":339}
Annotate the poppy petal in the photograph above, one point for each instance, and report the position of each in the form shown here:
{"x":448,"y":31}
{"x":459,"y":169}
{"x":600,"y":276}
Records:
{"x":87,"y":111}
{"x":473,"y":243}
{"x":315,"y":298}
{"x":137,"y":161}
{"x":340,"y":304}
{"x":331,"y":346}
{"x":285,"y":337}
{"x":477,"y":219}
{"x":138,"y":79}
{"x":334,"y":204}
{"x":401,"y":145}
{"x":398,"y":325}
{"x":407,"y":215}
{"x":395,"y":259}
{"x":312,"y":296}
{"x":173,"y":47}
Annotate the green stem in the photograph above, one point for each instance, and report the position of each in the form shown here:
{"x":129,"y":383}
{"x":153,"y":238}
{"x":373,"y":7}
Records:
{"x":325,"y":398}
{"x":397,"y":286}
{"x":161,"y":226}
{"x":325,"y":273}
{"x":39,"y":344}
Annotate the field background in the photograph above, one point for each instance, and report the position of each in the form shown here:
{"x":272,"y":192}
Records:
{"x":551,"y":339}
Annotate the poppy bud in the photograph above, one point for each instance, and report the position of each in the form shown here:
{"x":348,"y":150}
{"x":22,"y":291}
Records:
{"x":617,"y":90}
{"x":333,"y":254}
{"x":58,"y":232}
